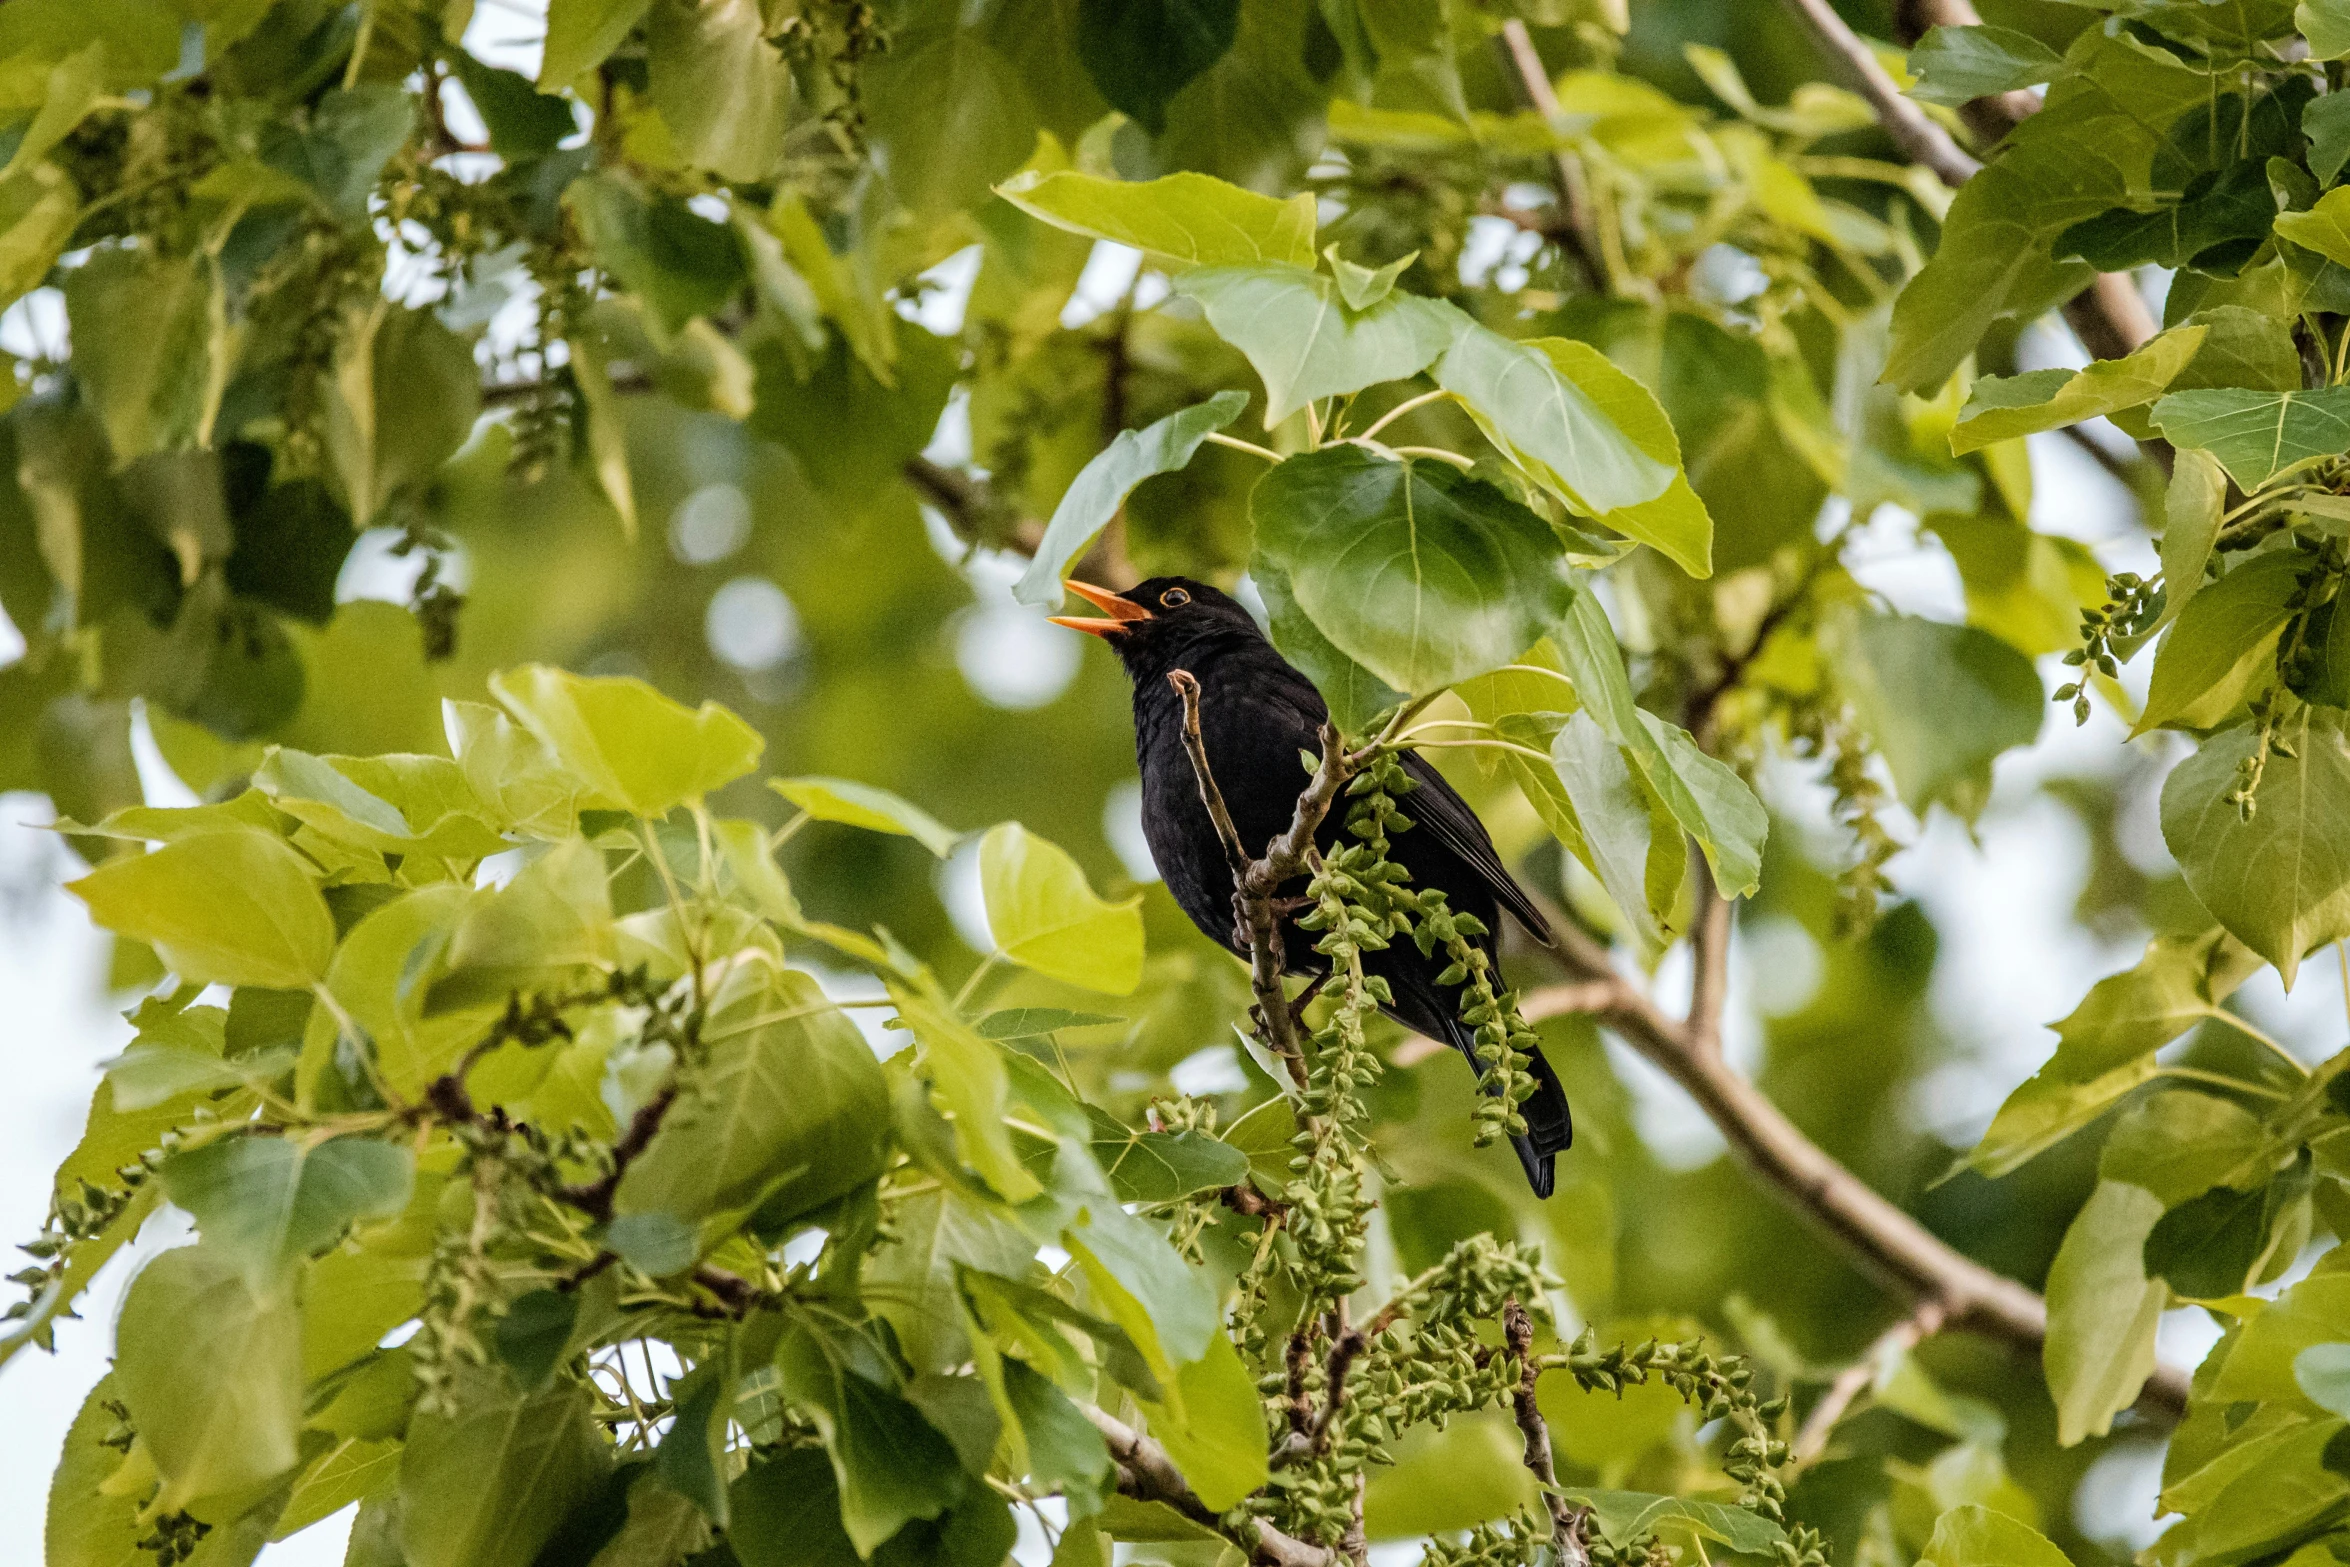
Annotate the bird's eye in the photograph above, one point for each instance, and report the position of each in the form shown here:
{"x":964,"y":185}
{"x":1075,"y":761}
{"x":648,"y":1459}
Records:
{"x":1174,"y":598}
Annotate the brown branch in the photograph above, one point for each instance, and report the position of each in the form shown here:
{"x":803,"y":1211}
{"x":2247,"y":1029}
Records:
{"x":594,"y":1198}
{"x":1147,"y":1474}
{"x":1255,"y":882}
{"x":1914,"y":130}
{"x":1903,"y":1336}
{"x":1709,"y":953}
{"x":1887,"y":1242}
{"x":1566,"y":1520}
{"x":1574,"y":232}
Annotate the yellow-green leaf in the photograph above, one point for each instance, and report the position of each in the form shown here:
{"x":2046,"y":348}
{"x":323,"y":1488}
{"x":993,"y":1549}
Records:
{"x":1044,"y":916}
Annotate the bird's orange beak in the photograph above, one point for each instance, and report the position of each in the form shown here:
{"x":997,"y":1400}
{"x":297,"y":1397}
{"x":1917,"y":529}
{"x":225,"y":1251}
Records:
{"x":1121,"y":612}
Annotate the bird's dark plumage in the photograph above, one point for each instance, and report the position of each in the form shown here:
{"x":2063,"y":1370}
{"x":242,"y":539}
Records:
{"x":1257,"y":713}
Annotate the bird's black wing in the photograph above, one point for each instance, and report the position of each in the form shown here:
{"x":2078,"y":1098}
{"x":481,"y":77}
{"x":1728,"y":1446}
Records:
{"x":1440,"y":812}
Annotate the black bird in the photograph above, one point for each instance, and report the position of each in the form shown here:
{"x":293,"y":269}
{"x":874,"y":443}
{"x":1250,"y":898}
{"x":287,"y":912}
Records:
{"x":1257,"y":712}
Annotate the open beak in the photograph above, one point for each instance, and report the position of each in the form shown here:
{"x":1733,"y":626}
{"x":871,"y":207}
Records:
{"x":1120,"y":612}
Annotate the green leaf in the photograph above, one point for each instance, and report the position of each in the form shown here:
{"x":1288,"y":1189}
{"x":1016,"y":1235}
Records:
{"x":1305,"y":343}
{"x":1712,"y":803}
{"x":1626,"y":1517}
{"x":489,"y":1483}
{"x":581,"y":34}
{"x":534,"y":1333}
{"x":1586,"y":431}
{"x":1156,"y":1167}
{"x":790,"y":1110}
{"x":2106,"y":1046}
{"x":1613,"y":812}
{"x":1941,"y":702}
{"x":2223,"y":644}
{"x":1035,"y":1022}
{"x":1354,"y":695}
{"x":211,"y":1368}
{"x":723,"y":91}
{"x":1178,"y":220}
{"x":1470,"y":1473}
{"x":2179,"y":1145}
{"x":1419,"y":573}
{"x":2324,"y":228}
{"x":38,"y":211}
{"x":949,"y":114}
{"x":2001,"y":408}
{"x":2192,"y":504}
{"x":1957,"y":65}
{"x":144,"y":346}
{"x":861,"y":805}
{"x":635,"y":748}
{"x":1065,"y":1452}
{"x":2102,"y":1311}
{"x":69,"y":93}
{"x":1362,"y":287}
{"x":1141,"y":53}
{"x":1044,"y":916}
{"x":1101,"y":487}
{"x":2280,"y":882}
{"x":1975,"y":1536}
{"x":2326,"y":122}
{"x":2322,"y":1372}
{"x":523,"y":122}
{"x":2220,"y":1243}
{"x":233,"y":907}
{"x":2326,"y":24}
{"x":402,"y":398}
{"x":269,"y":1202}
{"x":604,"y":444}
{"x":967,"y":1074}
{"x":1217,"y":1435}
{"x":2261,"y":1367}
{"x":891,"y":1465}
{"x":94,"y":1522}
{"x":2257,"y":435}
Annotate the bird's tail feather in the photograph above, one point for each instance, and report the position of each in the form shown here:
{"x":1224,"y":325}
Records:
{"x":1550,"y":1125}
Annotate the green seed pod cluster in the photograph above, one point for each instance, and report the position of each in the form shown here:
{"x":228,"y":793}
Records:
{"x":1519,"y":1540}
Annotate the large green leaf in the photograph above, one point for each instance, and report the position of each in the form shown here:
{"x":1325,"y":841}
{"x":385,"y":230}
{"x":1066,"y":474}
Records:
{"x":638,"y":750}
{"x":1957,"y":65}
{"x":2000,"y":408}
{"x":581,"y":34}
{"x":2193,"y":503}
{"x":2223,"y":645}
{"x":1303,"y":340}
{"x":1354,"y":694}
{"x":1101,"y":487}
{"x":211,"y":1369}
{"x":855,"y":804}
{"x":93,"y":1523}
{"x":2279,"y":882}
{"x":1585,"y":430}
{"x":489,"y":1483}
{"x":1941,"y":702}
{"x":1141,"y":53}
{"x":789,"y":1110}
{"x":2257,"y":435}
{"x":2106,"y":1046}
{"x":1712,"y":803}
{"x":2102,"y":1311}
{"x":1178,"y":220}
{"x":1419,"y":573}
{"x":892,"y":1466}
{"x":1614,"y":815}
{"x":143,"y":347}
{"x":269,"y":1202}
{"x":1044,"y":916}
{"x":967,"y":1075}
{"x":1217,"y":1434}
{"x":1975,"y":1536}
{"x":723,"y":90}
{"x":233,"y":907}
{"x":401,"y":400}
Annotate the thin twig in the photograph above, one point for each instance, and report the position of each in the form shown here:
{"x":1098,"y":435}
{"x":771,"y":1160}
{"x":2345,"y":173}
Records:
{"x":1903,"y":1336}
{"x":1709,"y":952}
{"x":1566,"y":1519}
{"x":1575,"y":235}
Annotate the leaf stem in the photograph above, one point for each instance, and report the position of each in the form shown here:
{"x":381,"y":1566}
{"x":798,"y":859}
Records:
{"x":1219,"y":438}
{"x":1400,"y":409}
{"x":783,"y":835}
{"x":2196,"y":1074}
{"x":971,"y":985}
{"x":1484,"y":745}
{"x":1440,"y":454}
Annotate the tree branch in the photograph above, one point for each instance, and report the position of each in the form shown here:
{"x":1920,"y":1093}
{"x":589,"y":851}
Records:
{"x":1566,"y":1519}
{"x":1255,"y":921}
{"x":1903,"y":1336}
{"x":1886,"y":1241}
{"x":1147,"y":1474}
{"x":1574,"y":232}
{"x":2110,"y":316}
{"x":1909,"y":125}
{"x":1709,"y":952}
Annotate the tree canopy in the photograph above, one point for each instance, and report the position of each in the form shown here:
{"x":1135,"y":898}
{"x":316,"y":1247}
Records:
{"x":605,"y":1146}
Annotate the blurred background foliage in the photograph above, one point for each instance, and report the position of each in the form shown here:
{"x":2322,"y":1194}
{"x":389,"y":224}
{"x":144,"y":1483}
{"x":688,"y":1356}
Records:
{"x":361,"y":350}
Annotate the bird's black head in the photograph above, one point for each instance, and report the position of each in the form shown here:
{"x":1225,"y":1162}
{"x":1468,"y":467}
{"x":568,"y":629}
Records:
{"x":1157,"y":625}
